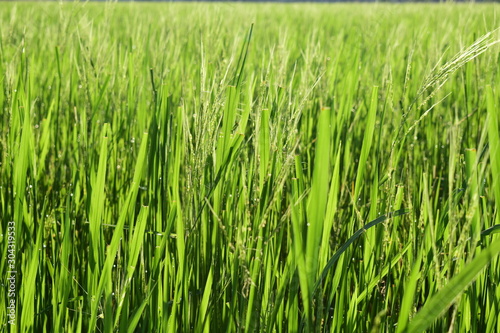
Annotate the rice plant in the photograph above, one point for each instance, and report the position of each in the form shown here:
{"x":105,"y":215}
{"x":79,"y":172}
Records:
{"x":171,"y":167}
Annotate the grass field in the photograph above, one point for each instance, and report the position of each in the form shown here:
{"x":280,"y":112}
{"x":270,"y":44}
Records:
{"x":249,"y":167}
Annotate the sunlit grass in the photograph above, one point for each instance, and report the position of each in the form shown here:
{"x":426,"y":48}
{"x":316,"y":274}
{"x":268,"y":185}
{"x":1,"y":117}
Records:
{"x":250,"y":167}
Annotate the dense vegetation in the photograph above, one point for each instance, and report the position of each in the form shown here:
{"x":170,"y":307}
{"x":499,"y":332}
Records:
{"x":250,"y":167}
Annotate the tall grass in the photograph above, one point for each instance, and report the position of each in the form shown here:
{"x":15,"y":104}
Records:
{"x":250,"y":167}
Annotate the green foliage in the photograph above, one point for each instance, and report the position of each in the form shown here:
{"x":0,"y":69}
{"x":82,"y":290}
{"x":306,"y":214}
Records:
{"x":250,"y":167}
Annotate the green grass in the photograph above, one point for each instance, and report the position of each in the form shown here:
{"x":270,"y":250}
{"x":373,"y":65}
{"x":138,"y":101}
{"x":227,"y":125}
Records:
{"x":250,"y":167}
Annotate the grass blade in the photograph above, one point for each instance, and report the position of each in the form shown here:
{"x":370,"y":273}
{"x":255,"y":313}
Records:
{"x":346,"y":245}
{"x":440,"y":302}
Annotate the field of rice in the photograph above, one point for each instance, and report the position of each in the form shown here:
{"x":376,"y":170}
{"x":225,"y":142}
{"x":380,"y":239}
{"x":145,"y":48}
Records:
{"x":231,"y":167}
